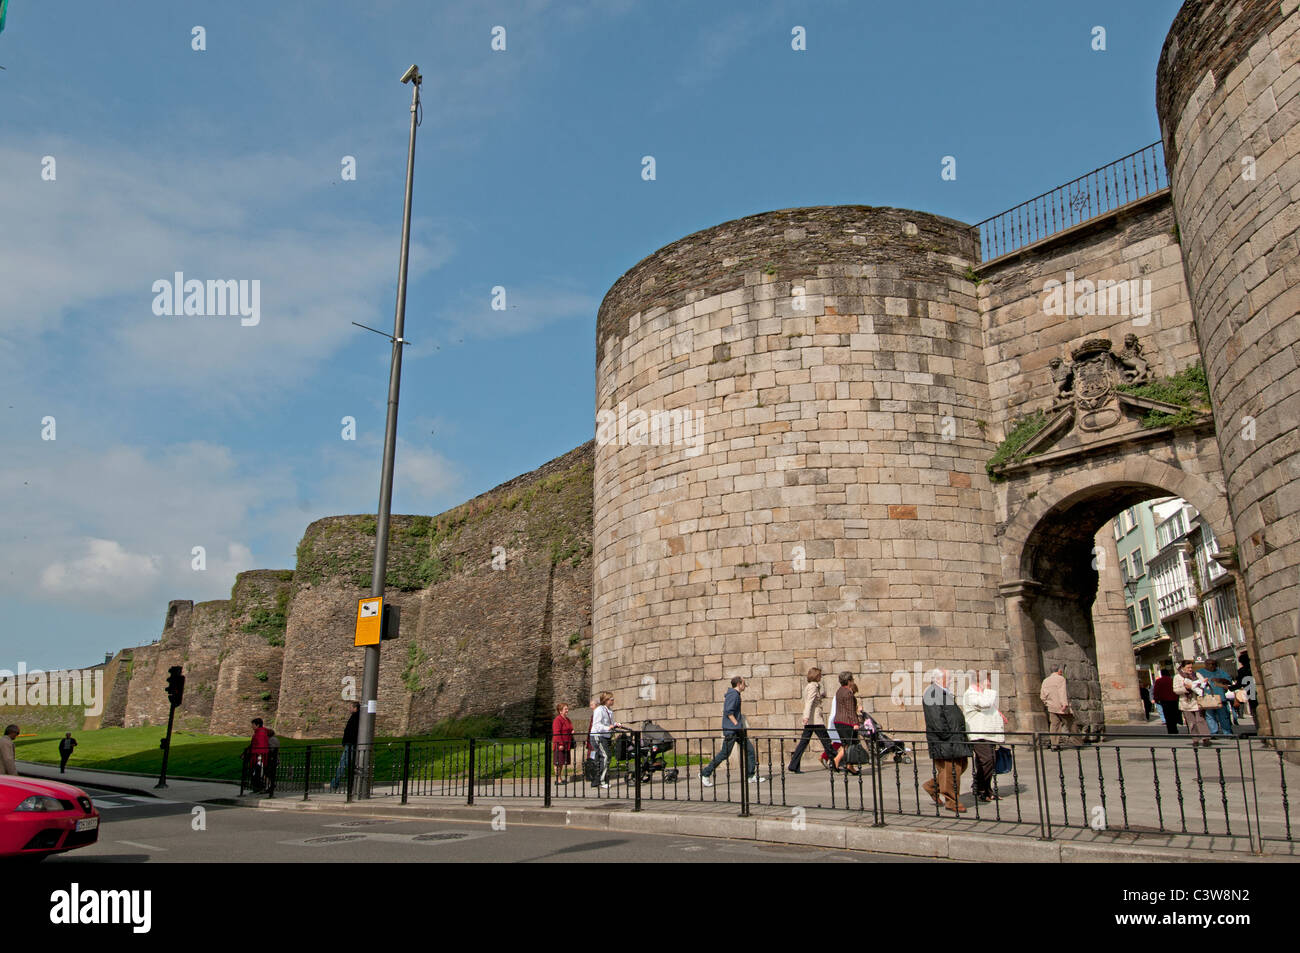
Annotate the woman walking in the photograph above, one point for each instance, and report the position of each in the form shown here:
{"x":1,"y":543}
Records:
{"x":984,"y":729}
{"x":1189,"y":688}
{"x":602,"y":724}
{"x":846,"y":718}
{"x":813,"y":720}
{"x":561,"y":741}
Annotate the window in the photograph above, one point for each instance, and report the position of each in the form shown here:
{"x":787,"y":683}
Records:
{"x":1118,"y":532}
{"x":1131,"y":514}
{"x":1132,"y":619}
{"x":1138,"y":567}
{"x":1146,"y":612}
{"x":1123,"y":570}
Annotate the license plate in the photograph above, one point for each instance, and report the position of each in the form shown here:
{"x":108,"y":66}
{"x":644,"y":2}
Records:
{"x":88,"y":824}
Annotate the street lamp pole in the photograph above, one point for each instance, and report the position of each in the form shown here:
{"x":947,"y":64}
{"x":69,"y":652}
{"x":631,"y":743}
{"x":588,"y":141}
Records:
{"x":370,"y":677}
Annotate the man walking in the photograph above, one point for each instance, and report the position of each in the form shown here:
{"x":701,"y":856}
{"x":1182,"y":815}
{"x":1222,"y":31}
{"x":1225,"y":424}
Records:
{"x":733,"y":727}
{"x":8,"y":763}
{"x":350,"y":732}
{"x":945,"y":736}
{"x":65,"y":751}
{"x":1057,"y":701}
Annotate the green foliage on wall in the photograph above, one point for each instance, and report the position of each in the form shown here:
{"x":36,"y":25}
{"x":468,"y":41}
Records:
{"x":1188,"y":389}
{"x":1023,"y":430}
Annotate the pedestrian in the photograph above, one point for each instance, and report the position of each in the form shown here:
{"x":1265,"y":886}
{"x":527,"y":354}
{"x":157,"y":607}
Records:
{"x":1190,"y":689}
{"x":561,"y":741}
{"x":1055,"y":697}
{"x":733,"y":727}
{"x":945,"y":736}
{"x":1145,"y":694}
{"x":258,"y":751}
{"x":984,"y":729}
{"x":272,"y":758}
{"x":8,"y":763}
{"x":350,"y":733}
{"x":814,"y":722}
{"x":602,"y":725}
{"x":66,"y":744}
{"x":1246,"y":682}
{"x":846,"y":718}
{"x":1219,"y":682}
{"x":1162,"y":690}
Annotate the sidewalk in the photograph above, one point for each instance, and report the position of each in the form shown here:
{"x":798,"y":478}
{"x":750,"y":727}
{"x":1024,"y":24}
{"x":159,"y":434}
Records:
{"x":177,"y":789}
{"x":842,"y":830}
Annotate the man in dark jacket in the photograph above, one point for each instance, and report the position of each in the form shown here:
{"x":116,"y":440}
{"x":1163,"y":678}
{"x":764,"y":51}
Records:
{"x":65,"y":751}
{"x":733,"y":728}
{"x":350,"y":732}
{"x":945,"y":736}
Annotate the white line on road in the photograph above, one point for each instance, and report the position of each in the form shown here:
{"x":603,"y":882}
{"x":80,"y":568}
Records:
{"x":131,"y":843}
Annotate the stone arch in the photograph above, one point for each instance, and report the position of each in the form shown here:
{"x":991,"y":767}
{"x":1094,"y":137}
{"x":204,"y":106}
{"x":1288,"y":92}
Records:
{"x":1050,"y":582}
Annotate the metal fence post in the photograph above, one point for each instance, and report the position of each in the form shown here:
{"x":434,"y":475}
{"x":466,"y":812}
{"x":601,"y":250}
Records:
{"x":1040,"y":782}
{"x":742,"y":737}
{"x":877,"y":784}
{"x":548,"y":762}
{"x":471,"y":772}
{"x":636,"y":764}
{"x":406,"y":770}
{"x":306,"y":778}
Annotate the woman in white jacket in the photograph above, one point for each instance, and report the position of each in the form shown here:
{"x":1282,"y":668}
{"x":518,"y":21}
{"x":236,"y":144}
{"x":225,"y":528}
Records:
{"x":984,"y":730}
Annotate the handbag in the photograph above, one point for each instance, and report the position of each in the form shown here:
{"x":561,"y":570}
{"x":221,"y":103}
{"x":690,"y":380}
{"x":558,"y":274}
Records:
{"x":1002,"y":760}
{"x":857,"y":754}
{"x":1210,"y":701}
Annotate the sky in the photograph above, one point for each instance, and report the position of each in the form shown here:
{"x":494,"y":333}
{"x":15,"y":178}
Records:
{"x":128,"y":437}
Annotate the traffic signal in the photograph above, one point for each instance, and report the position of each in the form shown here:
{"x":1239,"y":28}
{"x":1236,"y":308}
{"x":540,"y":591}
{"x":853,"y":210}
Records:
{"x":175,"y":686}
{"x":391,"y":623}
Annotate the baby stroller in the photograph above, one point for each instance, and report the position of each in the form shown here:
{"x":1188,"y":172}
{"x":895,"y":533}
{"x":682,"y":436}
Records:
{"x":654,"y":742}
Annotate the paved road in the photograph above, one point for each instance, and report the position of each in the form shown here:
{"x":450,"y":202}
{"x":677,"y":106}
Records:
{"x":146,"y":830}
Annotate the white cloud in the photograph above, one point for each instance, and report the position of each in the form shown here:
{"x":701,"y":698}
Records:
{"x":104,"y":572}
{"x":80,"y":254}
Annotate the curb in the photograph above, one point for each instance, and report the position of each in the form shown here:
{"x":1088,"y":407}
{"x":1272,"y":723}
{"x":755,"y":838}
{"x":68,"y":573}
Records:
{"x":974,"y":848}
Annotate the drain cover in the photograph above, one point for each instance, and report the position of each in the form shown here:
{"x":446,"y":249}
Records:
{"x":360,"y":823}
{"x":334,"y":838}
{"x":448,"y":836}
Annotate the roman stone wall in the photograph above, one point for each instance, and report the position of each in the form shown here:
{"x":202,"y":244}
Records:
{"x":496,"y":607}
{"x":834,"y":509}
{"x":252,"y":651}
{"x":1228,"y":97}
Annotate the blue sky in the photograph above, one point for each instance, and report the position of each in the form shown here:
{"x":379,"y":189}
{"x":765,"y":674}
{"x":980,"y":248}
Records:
{"x":180,"y":431}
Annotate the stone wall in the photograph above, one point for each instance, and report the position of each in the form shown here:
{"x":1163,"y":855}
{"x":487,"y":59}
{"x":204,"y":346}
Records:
{"x":1022,"y":338}
{"x":835,"y":509}
{"x":495,"y":597}
{"x":252,"y":651}
{"x":1228,"y":95}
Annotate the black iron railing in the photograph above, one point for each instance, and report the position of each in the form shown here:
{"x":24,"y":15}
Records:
{"x":1102,"y":190}
{"x":1237,"y":789}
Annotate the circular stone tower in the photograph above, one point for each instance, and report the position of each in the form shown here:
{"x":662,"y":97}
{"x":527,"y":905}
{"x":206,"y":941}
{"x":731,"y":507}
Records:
{"x":790,"y":467}
{"x":1228,"y":95}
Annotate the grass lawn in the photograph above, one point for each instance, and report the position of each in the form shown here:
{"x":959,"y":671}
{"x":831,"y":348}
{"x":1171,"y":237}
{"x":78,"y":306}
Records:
{"x":218,"y":757}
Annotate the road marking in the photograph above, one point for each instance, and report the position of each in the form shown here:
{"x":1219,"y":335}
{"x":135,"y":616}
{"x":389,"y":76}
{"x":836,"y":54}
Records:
{"x":131,"y":843}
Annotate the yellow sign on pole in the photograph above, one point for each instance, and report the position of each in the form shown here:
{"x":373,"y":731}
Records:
{"x":370,"y":614}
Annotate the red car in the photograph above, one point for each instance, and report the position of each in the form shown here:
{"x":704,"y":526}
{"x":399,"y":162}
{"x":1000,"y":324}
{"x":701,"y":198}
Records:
{"x":39,"y":818}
